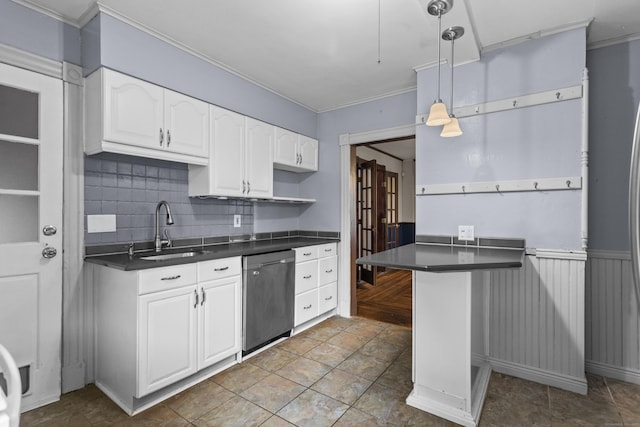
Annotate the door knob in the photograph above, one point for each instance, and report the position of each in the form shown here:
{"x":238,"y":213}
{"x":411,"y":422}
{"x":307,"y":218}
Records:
{"x":49,"y":252}
{"x":49,"y":230}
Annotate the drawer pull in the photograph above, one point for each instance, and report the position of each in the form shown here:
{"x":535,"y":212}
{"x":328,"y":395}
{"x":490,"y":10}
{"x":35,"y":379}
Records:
{"x":307,"y":307}
{"x":195,"y":291}
{"x":203,"y":296}
{"x":328,"y":250}
{"x":329,"y":271}
{"x":221,"y":268}
{"x":329,"y":298}
{"x":306,"y":277}
{"x":171,"y":277}
{"x":306,"y":253}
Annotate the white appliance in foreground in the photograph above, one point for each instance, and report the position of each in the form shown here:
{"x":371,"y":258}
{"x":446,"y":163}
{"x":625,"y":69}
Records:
{"x":634,"y":208}
{"x":10,"y":403}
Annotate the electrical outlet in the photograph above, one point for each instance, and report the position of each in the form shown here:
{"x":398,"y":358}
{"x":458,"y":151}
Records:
{"x":466,"y":232}
{"x":237,"y":221}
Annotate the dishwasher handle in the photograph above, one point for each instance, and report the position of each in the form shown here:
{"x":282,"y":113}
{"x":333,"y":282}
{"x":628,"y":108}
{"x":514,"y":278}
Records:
{"x":280,"y":261}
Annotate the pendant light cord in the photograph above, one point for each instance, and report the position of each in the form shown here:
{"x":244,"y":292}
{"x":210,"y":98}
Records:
{"x":439,"y":31}
{"x":379,"y":31}
{"x":451,"y":93}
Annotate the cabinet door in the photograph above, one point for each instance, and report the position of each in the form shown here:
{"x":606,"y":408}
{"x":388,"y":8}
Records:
{"x":186,"y":124}
{"x":132,"y":111}
{"x":227,"y":156}
{"x":219,"y":320}
{"x":306,"y":307}
{"x":285,"y":150}
{"x":166,"y":338}
{"x":259,"y":159}
{"x":308,"y":150}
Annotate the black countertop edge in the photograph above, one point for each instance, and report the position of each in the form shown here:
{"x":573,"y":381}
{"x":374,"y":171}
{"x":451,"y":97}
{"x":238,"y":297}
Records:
{"x":123,"y":261}
{"x":116,"y":248}
{"x":483,"y":242}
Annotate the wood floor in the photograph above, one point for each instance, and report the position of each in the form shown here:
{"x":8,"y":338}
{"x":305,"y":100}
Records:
{"x":389,"y":300}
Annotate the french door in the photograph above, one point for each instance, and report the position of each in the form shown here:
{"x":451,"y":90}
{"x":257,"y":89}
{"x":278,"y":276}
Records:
{"x":31,"y":135}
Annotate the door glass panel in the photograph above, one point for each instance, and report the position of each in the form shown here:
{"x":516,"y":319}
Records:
{"x":19,"y":218}
{"x":18,"y":112}
{"x":18,"y":166}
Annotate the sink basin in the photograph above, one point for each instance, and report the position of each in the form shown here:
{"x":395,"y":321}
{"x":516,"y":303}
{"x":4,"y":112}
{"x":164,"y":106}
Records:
{"x":162,"y":257}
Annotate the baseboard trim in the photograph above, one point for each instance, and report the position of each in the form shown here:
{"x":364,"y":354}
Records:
{"x":613,"y":372}
{"x":565,"y":382}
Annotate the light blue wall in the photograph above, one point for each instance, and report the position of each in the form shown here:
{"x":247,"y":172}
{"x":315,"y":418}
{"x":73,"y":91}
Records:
{"x":615,"y":93}
{"x":131,"y":51}
{"x":536,"y":142}
{"x":28,"y":30}
{"x":324,"y":185}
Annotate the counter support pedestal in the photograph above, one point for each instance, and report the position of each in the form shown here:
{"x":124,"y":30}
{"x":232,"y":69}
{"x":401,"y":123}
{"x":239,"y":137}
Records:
{"x":450,"y":371}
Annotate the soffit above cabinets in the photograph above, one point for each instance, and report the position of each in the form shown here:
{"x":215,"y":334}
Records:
{"x":324,"y":55}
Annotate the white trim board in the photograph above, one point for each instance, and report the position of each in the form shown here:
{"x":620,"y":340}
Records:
{"x":564,"y":382}
{"x":502,"y":186}
{"x":29,"y":61}
{"x":614,"y":372}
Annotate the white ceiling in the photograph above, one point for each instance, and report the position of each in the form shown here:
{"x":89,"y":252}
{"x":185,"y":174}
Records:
{"x":324,"y":54}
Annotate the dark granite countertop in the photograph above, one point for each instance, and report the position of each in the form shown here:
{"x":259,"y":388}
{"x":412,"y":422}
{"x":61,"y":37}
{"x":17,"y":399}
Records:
{"x":125,"y":262}
{"x":443,"y":258}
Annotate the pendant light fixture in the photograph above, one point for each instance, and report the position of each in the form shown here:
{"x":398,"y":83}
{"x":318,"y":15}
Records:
{"x":453,"y":127}
{"x":438,"y":113}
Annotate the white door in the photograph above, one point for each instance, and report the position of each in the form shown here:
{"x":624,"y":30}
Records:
{"x":186,"y":123}
{"x":132,"y":111}
{"x":259,"y":158}
{"x":286,"y":148}
{"x":308,"y":150}
{"x":31,"y":134}
{"x":227,"y":152}
{"x":167,"y":338}
{"x":219,"y":320}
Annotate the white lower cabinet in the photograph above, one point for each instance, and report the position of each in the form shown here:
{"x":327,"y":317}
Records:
{"x":316,"y":281}
{"x":158,"y":326}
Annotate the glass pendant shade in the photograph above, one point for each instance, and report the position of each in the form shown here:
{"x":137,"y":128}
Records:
{"x":451,"y":129}
{"x":438,"y":115}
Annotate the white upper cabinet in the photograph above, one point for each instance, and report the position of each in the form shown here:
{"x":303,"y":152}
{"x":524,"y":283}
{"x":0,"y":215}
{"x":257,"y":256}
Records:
{"x":129,"y":116}
{"x":186,"y":124}
{"x":240,"y":161}
{"x":294,"y":152}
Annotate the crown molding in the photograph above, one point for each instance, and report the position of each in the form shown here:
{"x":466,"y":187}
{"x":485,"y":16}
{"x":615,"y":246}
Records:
{"x":29,"y":61}
{"x":613,"y":41}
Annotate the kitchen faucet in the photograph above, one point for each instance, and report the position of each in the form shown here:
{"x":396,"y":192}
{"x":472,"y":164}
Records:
{"x":162,"y":242}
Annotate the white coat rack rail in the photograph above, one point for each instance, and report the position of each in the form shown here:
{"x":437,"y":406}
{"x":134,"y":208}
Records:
{"x":541,"y":184}
{"x":539,"y":98}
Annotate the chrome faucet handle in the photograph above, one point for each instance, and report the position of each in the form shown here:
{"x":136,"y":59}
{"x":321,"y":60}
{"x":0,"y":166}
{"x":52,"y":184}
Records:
{"x":130,"y":249}
{"x":167,"y":238}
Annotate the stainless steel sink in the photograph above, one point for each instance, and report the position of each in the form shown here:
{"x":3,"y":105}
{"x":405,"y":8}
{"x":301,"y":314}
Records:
{"x":170,"y":256}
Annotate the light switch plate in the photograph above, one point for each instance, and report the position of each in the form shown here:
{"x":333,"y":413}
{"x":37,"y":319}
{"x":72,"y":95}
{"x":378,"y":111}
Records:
{"x":466,"y":232}
{"x":237,"y":221}
{"x":101,"y":223}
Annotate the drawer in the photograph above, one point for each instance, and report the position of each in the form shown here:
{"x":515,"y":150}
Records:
{"x":327,"y":297}
{"x":306,"y":307}
{"x":219,"y":268}
{"x":327,"y":270}
{"x":306,"y":253}
{"x":328,"y":249}
{"x":306,"y":276}
{"x":164,"y":278}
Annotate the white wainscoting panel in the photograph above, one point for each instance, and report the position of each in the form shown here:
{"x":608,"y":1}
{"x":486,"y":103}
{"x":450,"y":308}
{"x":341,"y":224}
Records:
{"x":536,"y":317}
{"x":612,"y":323}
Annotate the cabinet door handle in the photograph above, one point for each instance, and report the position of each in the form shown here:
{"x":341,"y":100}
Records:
{"x":161,"y":136}
{"x":195,"y":291}
{"x":306,"y":277}
{"x":329,"y":270}
{"x":168,"y":137}
{"x":203,"y":296}
{"x":329,"y":298}
{"x":307,"y":307}
{"x":171,"y":277}
{"x":244,"y":187}
{"x":221,"y":268}
{"x":248,"y":187}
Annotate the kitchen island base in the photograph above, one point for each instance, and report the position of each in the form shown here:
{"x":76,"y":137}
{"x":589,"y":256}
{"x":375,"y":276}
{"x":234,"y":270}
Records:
{"x":450,"y":371}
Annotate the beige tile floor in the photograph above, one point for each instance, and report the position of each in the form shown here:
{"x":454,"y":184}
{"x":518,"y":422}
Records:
{"x":342,"y":372}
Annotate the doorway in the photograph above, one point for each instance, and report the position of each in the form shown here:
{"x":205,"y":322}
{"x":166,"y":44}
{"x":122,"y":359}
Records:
{"x":384,"y":200}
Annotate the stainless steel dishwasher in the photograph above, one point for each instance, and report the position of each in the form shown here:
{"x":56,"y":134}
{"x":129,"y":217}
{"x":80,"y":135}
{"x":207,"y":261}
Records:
{"x":268,"y":297}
